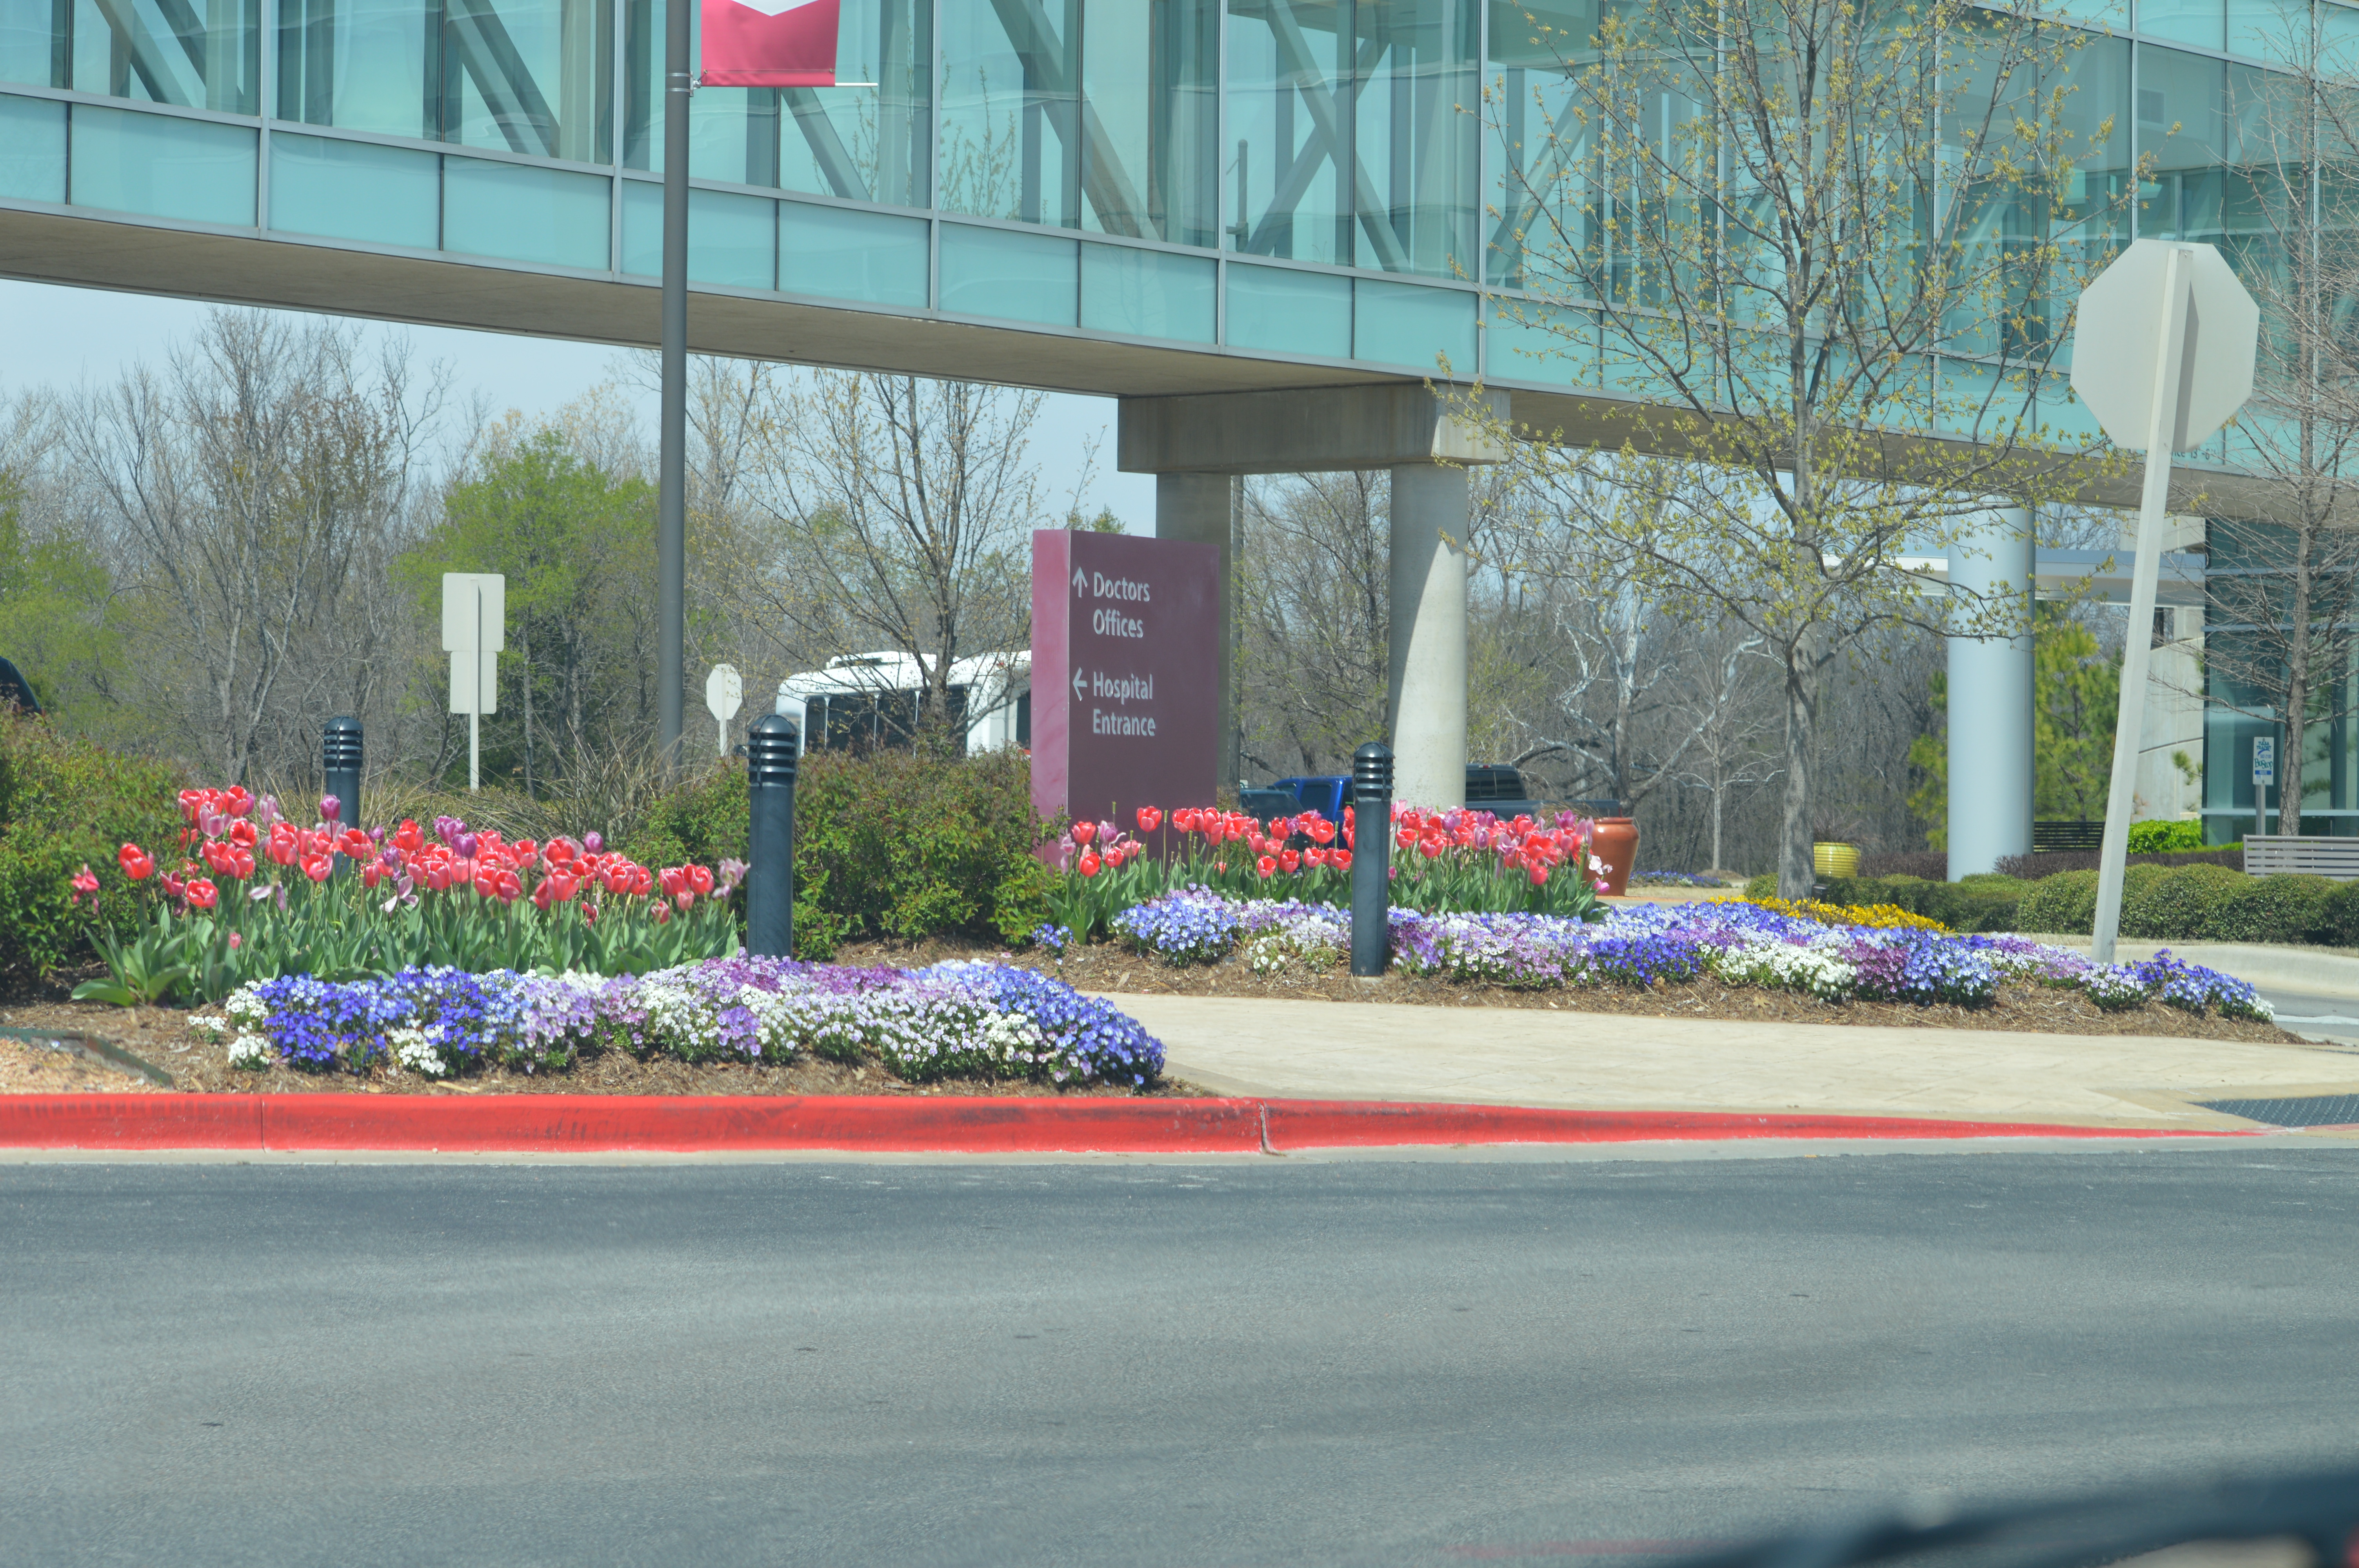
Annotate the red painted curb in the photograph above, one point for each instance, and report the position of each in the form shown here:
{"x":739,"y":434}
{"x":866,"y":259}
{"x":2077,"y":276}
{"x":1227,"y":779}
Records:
{"x":679,"y":1123}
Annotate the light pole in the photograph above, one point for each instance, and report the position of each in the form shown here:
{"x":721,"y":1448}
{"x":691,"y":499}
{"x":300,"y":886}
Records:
{"x":671,"y":505}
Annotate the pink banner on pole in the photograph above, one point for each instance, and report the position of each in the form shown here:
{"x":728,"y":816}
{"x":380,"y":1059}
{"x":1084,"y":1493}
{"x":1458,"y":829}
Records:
{"x":1126,"y":674}
{"x":751,"y":46}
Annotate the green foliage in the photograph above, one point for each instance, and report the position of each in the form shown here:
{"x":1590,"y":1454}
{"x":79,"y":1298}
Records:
{"x":575,"y":544}
{"x":1763,"y":886}
{"x":1983,"y":903}
{"x":890,"y":844}
{"x":2165,"y":838}
{"x":2076,"y":692}
{"x":59,"y":624}
{"x":65,"y":803}
{"x":2199,"y":904}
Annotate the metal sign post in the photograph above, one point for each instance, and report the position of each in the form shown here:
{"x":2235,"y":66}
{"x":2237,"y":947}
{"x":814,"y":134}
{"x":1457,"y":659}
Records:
{"x":2264,"y":773}
{"x":474,"y":631}
{"x":2162,"y":354}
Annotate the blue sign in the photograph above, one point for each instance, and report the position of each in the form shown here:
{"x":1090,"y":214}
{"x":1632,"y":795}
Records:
{"x":2265,"y":760}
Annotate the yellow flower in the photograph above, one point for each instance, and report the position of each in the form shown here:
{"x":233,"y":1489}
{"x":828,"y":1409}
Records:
{"x":1870,"y":916}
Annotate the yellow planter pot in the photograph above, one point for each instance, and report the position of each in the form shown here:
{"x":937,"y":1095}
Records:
{"x":1835,"y":860}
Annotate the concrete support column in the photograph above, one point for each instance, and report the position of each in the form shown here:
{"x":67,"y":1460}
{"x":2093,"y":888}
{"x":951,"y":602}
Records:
{"x":1991,"y":702}
{"x":1197,"y":507}
{"x":1426,"y":699}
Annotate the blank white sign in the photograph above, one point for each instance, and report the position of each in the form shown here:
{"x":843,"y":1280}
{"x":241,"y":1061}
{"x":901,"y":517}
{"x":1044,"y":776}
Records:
{"x":474,"y":681}
{"x":474,"y":613}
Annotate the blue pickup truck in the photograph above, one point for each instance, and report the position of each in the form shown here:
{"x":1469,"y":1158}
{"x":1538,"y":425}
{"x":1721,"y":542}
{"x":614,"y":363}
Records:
{"x":1490,"y":786}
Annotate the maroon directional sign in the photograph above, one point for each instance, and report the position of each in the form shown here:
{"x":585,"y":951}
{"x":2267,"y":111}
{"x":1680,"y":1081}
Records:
{"x":1126,"y":674}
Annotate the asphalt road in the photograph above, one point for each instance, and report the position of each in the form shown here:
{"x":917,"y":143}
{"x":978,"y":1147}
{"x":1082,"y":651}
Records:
{"x":1363,"y":1363}
{"x":2308,"y":1012}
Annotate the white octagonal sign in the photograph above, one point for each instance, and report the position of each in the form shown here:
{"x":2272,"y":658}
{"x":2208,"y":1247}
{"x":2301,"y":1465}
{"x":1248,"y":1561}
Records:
{"x":2117,"y":342}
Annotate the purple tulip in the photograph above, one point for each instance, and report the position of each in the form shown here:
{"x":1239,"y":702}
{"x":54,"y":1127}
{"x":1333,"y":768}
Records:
{"x":465,"y":844}
{"x":594,"y":842}
{"x":330,"y":808}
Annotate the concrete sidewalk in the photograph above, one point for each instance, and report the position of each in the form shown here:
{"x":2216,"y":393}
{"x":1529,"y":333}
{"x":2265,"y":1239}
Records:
{"x":1514,"y":1055}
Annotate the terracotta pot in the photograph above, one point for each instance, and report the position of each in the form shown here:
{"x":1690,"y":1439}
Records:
{"x":1617,"y":846}
{"x":1835,"y":860}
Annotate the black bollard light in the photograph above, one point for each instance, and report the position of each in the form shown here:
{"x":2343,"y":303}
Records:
{"x":340,"y":760}
{"x":1372,"y":859}
{"x":771,"y":742}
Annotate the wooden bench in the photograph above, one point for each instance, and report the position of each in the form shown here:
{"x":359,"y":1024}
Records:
{"x":2270,"y":854}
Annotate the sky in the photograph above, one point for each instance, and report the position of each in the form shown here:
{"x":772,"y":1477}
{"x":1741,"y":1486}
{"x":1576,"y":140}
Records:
{"x":64,"y":337}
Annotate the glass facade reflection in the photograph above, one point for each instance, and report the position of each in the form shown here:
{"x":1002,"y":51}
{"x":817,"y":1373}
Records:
{"x":1239,"y":174}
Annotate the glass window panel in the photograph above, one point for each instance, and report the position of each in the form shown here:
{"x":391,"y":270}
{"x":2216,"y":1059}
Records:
{"x":1539,"y":142}
{"x":364,"y":65}
{"x":840,"y":254}
{"x":1532,"y":343}
{"x":1416,"y":147}
{"x":197,"y":54}
{"x":2337,"y":41}
{"x":2269,"y":29}
{"x":527,"y":76}
{"x":730,"y":236}
{"x":1148,"y":293}
{"x":355,"y":190}
{"x":866,"y":139}
{"x":30,"y":48}
{"x":2183,"y":122}
{"x":1280,"y":310}
{"x":551,"y":216}
{"x":1290,"y":70}
{"x":2199,"y":22}
{"x":1403,"y":324}
{"x":1012,"y":116}
{"x":32,"y":149}
{"x":1151,"y":119}
{"x":162,"y":165}
{"x":2112,"y":14}
{"x":1018,"y":276}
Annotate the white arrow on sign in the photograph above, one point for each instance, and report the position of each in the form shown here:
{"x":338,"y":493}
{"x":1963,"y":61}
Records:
{"x":1081,"y":581}
{"x":725,"y":693}
{"x":2162,"y":354}
{"x":1077,"y":684}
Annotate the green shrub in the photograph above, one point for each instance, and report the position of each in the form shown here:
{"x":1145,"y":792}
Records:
{"x":2062,"y":905}
{"x":891,"y":844}
{"x":2165,"y":838}
{"x":1982,"y":903}
{"x":2275,"y":909}
{"x":1763,"y":886}
{"x":2338,"y":917}
{"x":2183,"y":903}
{"x":65,"y":803}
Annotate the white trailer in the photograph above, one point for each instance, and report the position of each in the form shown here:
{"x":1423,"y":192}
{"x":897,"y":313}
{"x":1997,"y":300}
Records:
{"x":872,"y":699}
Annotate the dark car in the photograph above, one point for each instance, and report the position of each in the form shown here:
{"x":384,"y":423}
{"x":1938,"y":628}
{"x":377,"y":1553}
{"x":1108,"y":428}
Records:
{"x":1490,"y":786}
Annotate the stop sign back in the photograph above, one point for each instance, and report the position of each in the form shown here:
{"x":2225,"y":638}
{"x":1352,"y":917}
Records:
{"x":2117,"y":341}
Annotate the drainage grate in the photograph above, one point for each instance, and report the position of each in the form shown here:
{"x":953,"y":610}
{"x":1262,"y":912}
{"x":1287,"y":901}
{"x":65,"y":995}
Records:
{"x":2310,"y":1110}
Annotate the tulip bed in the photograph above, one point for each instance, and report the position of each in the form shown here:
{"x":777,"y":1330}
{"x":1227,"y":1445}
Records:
{"x":952,"y":1020}
{"x":1823,"y":955}
{"x":1459,"y":859}
{"x":256,"y":896}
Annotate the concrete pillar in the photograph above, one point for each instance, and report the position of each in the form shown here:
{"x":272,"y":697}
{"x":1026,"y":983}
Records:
{"x":1197,"y":507}
{"x":1990,"y":703}
{"x":1426,"y":699}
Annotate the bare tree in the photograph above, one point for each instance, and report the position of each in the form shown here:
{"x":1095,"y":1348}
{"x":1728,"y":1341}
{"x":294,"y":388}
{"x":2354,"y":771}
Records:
{"x":1312,"y":580}
{"x":253,"y":493}
{"x":1728,"y":690}
{"x":1815,"y":240}
{"x":906,"y":507}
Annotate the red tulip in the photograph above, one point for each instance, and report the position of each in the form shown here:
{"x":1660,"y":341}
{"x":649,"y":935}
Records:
{"x":85,"y":881}
{"x":1405,"y":838}
{"x":1320,"y":830}
{"x":1084,"y":831}
{"x":641,"y":879}
{"x":1288,"y":859}
{"x":1186,"y":819}
{"x":372,"y":873}
{"x":407,"y":839}
{"x":542,"y":894}
{"x":318,"y":867}
{"x":1090,"y":865}
{"x":565,"y":886}
{"x":203,"y":893}
{"x":701,"y":879}
{"x":1340,"y":858}
{"x":136,"y":864}
{"x":1150,"y":818}
{"x":355,"y":845}
{"x":191,"y":800}
{"x":1266,"y":865}
{"x":675,"y":881}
